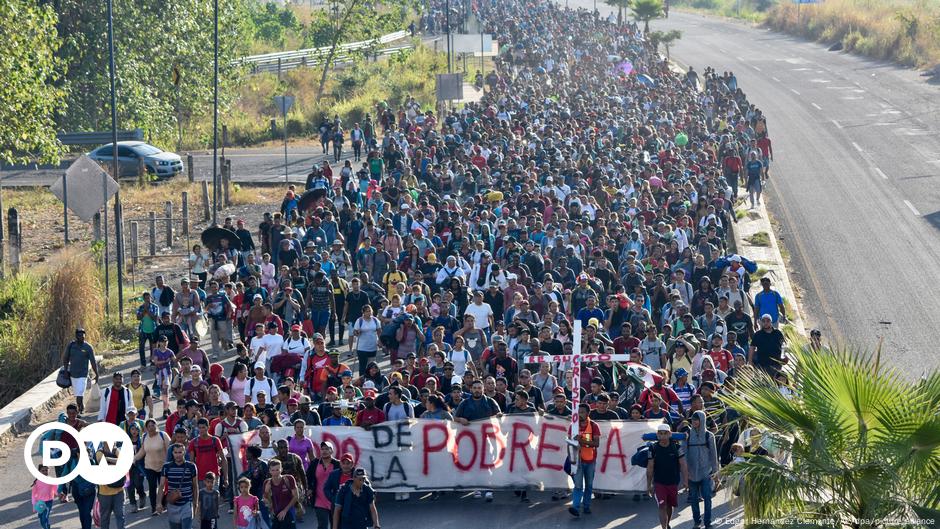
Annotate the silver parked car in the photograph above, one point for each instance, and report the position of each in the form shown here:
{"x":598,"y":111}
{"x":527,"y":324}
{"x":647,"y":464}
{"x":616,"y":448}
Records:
{"x":159,"y":163}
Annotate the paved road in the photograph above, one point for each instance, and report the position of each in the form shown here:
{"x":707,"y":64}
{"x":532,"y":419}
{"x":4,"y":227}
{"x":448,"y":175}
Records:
{"x":854,"y":183}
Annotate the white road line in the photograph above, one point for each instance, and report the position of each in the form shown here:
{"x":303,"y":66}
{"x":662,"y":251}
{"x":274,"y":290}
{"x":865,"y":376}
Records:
{"x":817,"y":107}
{"x":880,"y":173}
{"x":836,"y":123}
{"x":912,"y":208}
{"x":775,"y":79}
{"x":794,"y":91}
{"x":722,"y":50}
{"x":857,"y":147}
{"x":756,"y":68}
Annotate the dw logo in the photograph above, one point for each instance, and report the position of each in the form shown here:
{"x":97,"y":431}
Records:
{"x":100,"y":435}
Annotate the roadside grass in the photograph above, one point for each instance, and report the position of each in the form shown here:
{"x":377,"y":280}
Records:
{"x":760,"y":238}
{"x":904,"y":31}
{"x":759,"y":273}
{"x":751,"y":10}
{"x":39,"y":311}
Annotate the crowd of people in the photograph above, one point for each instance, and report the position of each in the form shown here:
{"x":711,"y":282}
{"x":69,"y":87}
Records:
{"x":416,"y":284}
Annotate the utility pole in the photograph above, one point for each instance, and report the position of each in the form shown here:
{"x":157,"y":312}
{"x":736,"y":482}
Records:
{"x":447,"y":22}
{"x":215,"y":115}
{"x":118,"y":232}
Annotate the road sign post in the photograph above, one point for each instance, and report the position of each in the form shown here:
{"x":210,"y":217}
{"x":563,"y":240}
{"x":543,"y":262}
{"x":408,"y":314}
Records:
{"x":283,"y":103}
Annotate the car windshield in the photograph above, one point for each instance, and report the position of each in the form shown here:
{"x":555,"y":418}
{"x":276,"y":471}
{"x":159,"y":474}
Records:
{"x":146,"y":150}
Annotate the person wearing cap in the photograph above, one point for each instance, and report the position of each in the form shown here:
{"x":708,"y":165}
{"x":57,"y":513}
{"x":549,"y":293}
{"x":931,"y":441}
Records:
{"x":336,"y":408}
{"x":369,"y":415}
{"x":141,"y":396}
{"x":258,"y":383}
{"x":666,"y":473}
{"x":354,"y":507}
{"x":766,"y":351}
{"x":305,"y":412}
{"x":76,"y":358}
{"x":196,"y":388}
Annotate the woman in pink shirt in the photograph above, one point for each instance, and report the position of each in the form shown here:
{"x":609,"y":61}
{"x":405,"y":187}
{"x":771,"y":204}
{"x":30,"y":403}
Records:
{"x":322,"y":503}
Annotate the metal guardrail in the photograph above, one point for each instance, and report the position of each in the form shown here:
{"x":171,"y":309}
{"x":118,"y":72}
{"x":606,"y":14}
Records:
{"x":287,"y":60}
{"x":338,"y":59}
{"x":96,"y":138}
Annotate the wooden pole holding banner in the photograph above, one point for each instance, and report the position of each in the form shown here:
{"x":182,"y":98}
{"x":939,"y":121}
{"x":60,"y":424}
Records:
{"x":575,"y":381}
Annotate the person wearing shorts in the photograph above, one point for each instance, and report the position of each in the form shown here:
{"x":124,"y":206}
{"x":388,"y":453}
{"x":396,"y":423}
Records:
{"x":664,"y":473}
{"x":75,"y":360}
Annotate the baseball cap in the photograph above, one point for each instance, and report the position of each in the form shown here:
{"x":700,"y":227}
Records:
{"x":333,"y":352}
{"x":292,"y":402}
{"x":131,"y":410}
{"x":331,"y":389}
{"x":347,"y":457}
{"x":558,"y":391}
{"x":681,"y":372}
{"x":368,"y":394}
{"x":257,"y":296}
{"x":368,"y":384}
{"x":346,"y":373}
{"x":195,"y":368}
{"x":663,"y":428}
{"x":295,"y":327}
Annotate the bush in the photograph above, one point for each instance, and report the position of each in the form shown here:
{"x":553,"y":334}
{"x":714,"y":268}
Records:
{"x":39,"y":312}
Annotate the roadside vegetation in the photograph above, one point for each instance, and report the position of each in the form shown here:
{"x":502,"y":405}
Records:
{"x":852,"y":440}
{"x":903,"y":31}
{"x":39,"y":311}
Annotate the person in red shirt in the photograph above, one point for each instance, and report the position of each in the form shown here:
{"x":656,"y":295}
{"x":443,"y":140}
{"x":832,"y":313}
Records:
{"x":721,"y":356}
{"x":369,"y":415}
{"x":423,"y":374}
{"x":731,"y":166}
{"x":766,"y":152}
{"x":206,"y":451}
{"x":625,"y":343}
{"x":668,"y":396}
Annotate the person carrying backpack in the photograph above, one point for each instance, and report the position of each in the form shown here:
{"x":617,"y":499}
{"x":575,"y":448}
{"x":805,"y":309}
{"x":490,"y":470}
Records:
{"x":665,"y":471}
{"x":702,"y":462}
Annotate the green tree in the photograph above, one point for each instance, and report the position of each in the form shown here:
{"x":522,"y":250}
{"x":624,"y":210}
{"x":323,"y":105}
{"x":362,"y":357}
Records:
{"x":29,"y":91}
{"x":856,"y":441}
{"x":620,"y":5}
{"x":646,"y":10}
{"x":152,"y":40}
{"x":353,"y":20}
{"x":664,"y":38}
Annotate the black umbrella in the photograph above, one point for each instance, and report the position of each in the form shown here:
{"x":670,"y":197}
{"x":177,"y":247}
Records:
{"x":309,"y":199}
{"x":213,"y":236}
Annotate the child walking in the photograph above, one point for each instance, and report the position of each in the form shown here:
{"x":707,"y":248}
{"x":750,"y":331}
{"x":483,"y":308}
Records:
{"x":209,"y":503}
{"x":43,"y":497}
{"x":247,"y":507}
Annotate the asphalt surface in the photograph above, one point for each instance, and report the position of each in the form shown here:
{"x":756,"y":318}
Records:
{"x":853,"y":184}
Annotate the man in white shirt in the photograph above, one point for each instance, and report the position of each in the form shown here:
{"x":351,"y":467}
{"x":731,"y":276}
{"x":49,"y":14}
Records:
{"x":260,"y":384}
{"x":482,"y":312}
{"x":271,"y":345}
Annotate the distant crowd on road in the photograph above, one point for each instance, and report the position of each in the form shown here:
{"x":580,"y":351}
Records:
{"x":591,"y":183}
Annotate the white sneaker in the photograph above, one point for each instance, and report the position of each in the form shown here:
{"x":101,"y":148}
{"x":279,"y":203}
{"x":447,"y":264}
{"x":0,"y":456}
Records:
{"x":477,"y":494}
{"x":405,"y":496}
{"x":489,"y":495}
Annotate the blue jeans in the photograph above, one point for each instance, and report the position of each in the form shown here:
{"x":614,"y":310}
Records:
{"x":44,"y":515}
{"x":701,"y":490}
{"x":583,"y":486}
{"x":85,"y":504}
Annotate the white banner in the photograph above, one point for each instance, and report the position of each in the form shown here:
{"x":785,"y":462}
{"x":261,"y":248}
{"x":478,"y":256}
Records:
{"x":510,"y":452}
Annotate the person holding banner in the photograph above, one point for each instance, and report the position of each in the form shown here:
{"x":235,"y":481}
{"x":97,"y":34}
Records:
{"x":588,"y":439}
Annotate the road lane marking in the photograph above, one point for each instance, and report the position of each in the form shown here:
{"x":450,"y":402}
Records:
{"x":794,"y":91}
{"x":857,"y":147}
{"x":756,"y":68}
{"x":836,"y":123}
{"x":775,"y":79}
{"x":880,"y":173}
{"x":817,"y":107}
{"x":912,"y":208}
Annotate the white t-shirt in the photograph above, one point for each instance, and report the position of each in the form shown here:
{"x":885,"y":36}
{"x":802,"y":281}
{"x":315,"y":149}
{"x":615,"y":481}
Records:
{"x":481,"y":314}
{"x":297,"y":347}
{"x":459,"y":359}
{"x":266,"y":385}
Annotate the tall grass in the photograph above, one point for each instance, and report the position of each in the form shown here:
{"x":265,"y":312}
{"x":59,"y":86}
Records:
{"x":905,"y":31}
{"x":753,"y":10}
{"x":39,"y":311}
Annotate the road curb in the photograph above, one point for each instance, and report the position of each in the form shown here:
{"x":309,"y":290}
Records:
{"x":767,"y":257}
{"x":16,"y":416}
